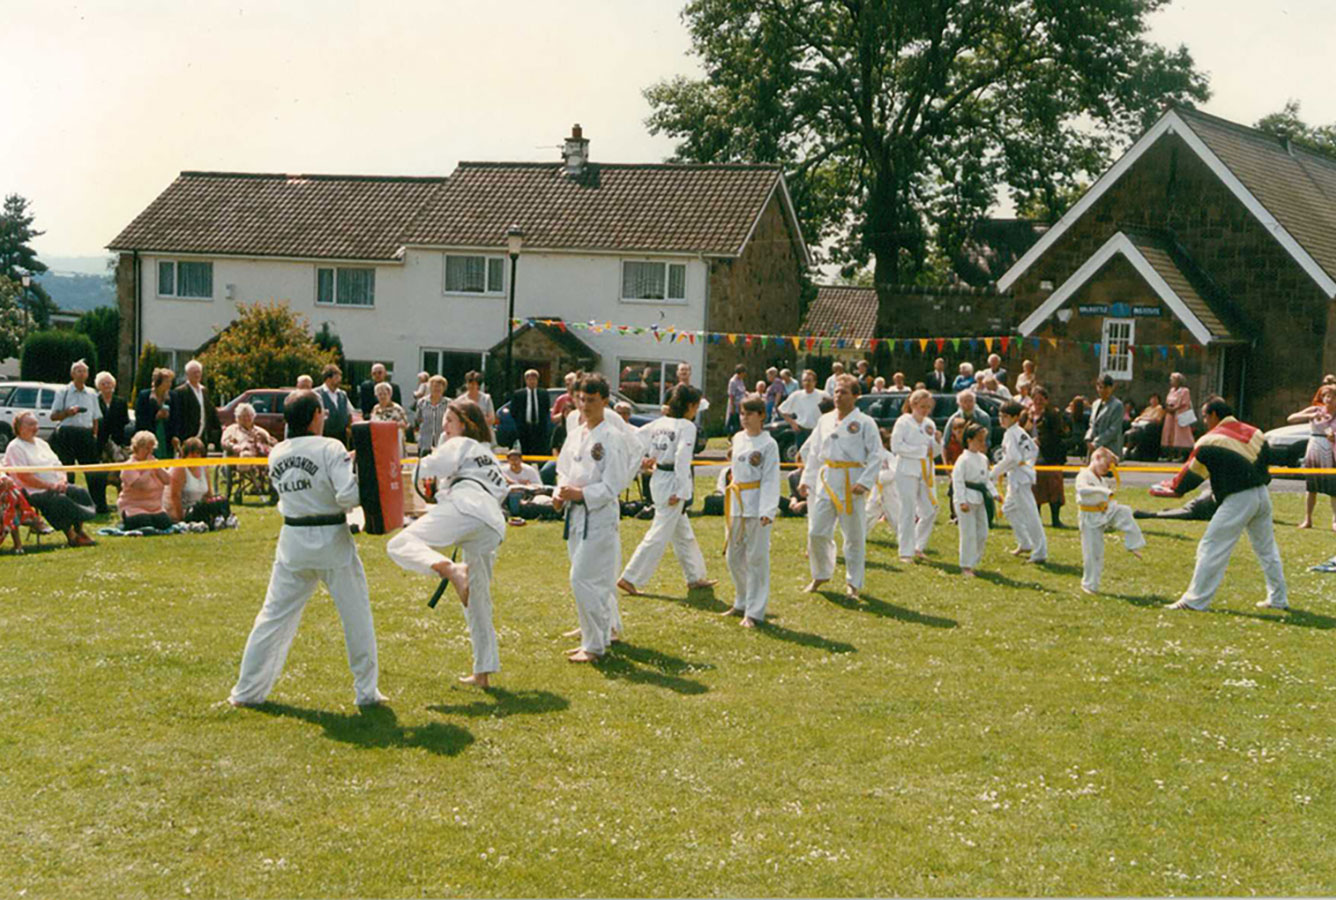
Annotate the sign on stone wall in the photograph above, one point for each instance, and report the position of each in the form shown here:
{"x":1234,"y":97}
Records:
{"x":1146,"y":312}
{"x":1093,"y":309}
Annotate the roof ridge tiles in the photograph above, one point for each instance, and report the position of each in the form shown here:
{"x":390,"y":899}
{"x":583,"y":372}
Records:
{"x":667,"y":166}
{"x":302,"y":176}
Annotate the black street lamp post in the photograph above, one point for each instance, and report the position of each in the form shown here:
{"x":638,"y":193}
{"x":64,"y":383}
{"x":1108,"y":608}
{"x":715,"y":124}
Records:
{"x":514,"y":240}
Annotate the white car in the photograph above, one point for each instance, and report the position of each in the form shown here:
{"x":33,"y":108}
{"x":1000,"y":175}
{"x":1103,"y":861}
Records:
{"x":17,"y":396}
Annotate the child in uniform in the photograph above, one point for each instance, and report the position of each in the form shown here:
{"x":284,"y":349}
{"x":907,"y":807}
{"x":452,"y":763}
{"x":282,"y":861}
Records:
{"x":1095,"y":486}
{"x":915,"y":445}
{"x":973,"y":492}
{"x":1019,"y":452}
{"x":751,"y":503}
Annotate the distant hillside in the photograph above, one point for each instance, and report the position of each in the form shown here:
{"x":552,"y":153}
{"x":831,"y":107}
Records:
{"x":78,"y":293}
{"x":77,"y":265}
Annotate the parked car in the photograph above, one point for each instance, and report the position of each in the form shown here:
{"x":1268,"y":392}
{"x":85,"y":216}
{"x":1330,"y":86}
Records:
{"x":642,"y":414}
{"x":1287,"y":444}
{"x":17,"y":396}
{"x":885,"y":409}
{"x":268,"y":403}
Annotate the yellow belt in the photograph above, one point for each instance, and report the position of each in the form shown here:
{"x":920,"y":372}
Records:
{"x":927,"y":469}
{"x":847,"y":506}
{"x":734,"y":489}
{"x":1098,"y":508}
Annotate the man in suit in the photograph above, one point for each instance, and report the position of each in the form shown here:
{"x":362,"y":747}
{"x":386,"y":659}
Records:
{"x":1106,"y":419}
{"x":530,"y":408}
{"x":192,"y":411}
{"x":338,"y":411}
{"x":937,"y":380}
{"x":366,"y":398}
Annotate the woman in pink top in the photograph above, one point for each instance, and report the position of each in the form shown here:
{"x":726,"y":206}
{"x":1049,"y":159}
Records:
{"x":1176,"y":439}
{"x":140,"y":502}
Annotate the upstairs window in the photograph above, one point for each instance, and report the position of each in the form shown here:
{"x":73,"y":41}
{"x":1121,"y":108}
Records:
{"x":188,"y":280}
{"x":345,"y":287}
{"x":654,"y":281}
{"x":475,"y":275}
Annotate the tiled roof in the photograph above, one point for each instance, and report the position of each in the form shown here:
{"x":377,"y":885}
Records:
{"x":651,"y":208}
{"x":1171,"y":264}
{"x":1296,"y":186}
{"x":321,"y":216}
{"x":842,"y":311}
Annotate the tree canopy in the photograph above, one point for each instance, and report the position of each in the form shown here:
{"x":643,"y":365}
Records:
{"x":898,"y":121}
{"x":12,"y":319}
{"x":268,"y":345}
{"x":1288,"y":124}
{"x":18,"y":258}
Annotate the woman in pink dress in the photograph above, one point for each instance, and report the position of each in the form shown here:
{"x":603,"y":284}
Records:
{"x":1176,"y":440}
{"x":1321,"y":417}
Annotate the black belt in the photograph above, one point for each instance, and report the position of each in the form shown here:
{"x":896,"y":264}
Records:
{"x":566,"y":521}
{"x":989,"y":508}
{"x":313,"y":521}
{"x":666,"y":467}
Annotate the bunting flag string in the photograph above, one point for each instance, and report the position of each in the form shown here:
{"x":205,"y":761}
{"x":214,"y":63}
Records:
{"x":824,"y":343}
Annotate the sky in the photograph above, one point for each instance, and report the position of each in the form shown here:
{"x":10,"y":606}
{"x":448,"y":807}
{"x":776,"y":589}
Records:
{"x":112,"y":98}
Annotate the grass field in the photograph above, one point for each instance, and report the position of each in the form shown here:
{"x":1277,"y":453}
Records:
{"x":1005,"y":736}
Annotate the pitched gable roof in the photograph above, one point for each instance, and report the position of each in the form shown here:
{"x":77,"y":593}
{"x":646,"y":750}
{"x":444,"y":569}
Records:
{"x":1292,"y":192}
{"x":322,"y":216}
{"x":842,"y":311}
{"x":668,"y":208}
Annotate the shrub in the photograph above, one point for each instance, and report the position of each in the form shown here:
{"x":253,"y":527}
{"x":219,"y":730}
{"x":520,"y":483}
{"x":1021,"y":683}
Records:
{"x":268,"y":345}
{"x":48,"y":355}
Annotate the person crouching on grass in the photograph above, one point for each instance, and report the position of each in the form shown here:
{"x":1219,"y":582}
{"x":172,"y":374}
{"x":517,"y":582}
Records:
{"x":915,"y":445}
{"x":1019,"y":452}
{"x":751,"y":503}
{"x":467,"y":513}
{"x":973,"y":494}
{"x":316,"y":486}
{"x":1095,"y":486}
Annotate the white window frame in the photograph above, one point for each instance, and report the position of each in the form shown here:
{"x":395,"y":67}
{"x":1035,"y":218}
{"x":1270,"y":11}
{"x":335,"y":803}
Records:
{"x":488,"y":259}
{"x":333,"y":304}
{"x":1118,"y":367}
{"x":666,"y":380}
{"x":176,"y":280}
{"x":667,"y":281}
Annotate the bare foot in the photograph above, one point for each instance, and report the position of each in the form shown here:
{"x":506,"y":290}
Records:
{"x":574,"y":650}
{"x":702,"y":584}
{"x":920,"y":556}
{"x":1033,"y":562}
{"x":814,"y":584}
{"x":851,"y":592}
{"x":1308,"y":523}
{"x":1088,"y":590}
{"x":732,"y":611}
{"x":237,"y":704}
{"x":584,"y":656}
{"x":478,"y":678}
{"x":574,"y":632}
{"x":457,"y":573}
{"x":627,"y":587}
{"x":1016,"y":551}
{"x":968,"y":573}
{"x":1136,"y":553}
{"x":748,"y":622}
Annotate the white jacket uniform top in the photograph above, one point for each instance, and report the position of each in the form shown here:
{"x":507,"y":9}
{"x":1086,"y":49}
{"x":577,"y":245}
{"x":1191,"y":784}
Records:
{"x":842,"y":447}
{"x":313,"y":476}
{"x":972,"y":467}
{"x":915,"y":446}
{"x":1093,"y":490}
{"x":469,"y":478}
{"x":669,"y":442}
{"x":1019,"y":452}
{"x":756,"y":459}
{"x":595,"y":460}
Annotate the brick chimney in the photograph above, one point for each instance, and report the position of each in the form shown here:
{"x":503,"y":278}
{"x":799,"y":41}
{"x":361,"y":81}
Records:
{"x":575,"y":152}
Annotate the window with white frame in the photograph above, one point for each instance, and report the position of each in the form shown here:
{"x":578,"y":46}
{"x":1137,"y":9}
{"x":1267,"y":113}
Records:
{"x":646,"y":380}
{"x":475,"y":274}
{"x":653,"y":280}
{"x":342,"y":286}
{"x":185,"y":279}
{"x":452,"y":364}
{"x":1116,"y":348}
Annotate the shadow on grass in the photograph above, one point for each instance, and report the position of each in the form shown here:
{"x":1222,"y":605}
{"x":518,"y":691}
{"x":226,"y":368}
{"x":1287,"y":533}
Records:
{"x":501,"y":704}
{"x":1059,"y":568}
{"x":1143,"y":600}
{"x":641,"y":665}
{"x":1172,"y":535}
{"x":377,"y":726}
{"x":804,"y":638}
{"x":1297,"y":618}
{"x":702,"y":599}
{"x":994,"y":577}
{"x":870,"y":604}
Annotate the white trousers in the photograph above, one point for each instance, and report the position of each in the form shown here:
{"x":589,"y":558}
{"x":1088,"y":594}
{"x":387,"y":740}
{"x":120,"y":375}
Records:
{"x":884,"y":501}
{"x":1023,"y":513}
{"x":442,"y":526}
{"x":1093,"y":525}
{"x":973,"y":534}
{"x":595,"y":558}
{"x":276,"y":625}
{"x":1248,"y":511}
{"x":917,"y":515}
{"x":670,"y":524}
{"x":748,"y":556}
{"x":822,"y":516}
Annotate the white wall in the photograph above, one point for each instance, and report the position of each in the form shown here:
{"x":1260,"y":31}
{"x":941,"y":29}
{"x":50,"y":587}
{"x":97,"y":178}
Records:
{"x":412,"y":311}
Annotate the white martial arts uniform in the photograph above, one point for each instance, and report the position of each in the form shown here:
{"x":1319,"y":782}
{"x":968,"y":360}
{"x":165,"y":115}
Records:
{"x":971,"y":468}
{"x":313,"y":476}
{"x":1094,"y":499}
{"x":915,"y":446}
{"x":467,"y":513}
{"x":884,"y":500}
{"x":595,"y":460}
{"x":840,"y":454}
{"x":670,"y":443}
{"x":1019,"y":452}
{"x":751,"y":496}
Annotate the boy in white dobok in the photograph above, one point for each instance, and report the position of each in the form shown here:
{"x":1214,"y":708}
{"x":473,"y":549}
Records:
{"x":884,"y":502}
{"x":592,"y":473}
{"x":1095,"y":487}
{"x":915,"y":444}
{"x":974,"y":493}
{"x":840,"y":464}
{"x":751,"y":503}
{"x":316,"y":487}
{"x":1019,"y":452}
{"x":669,"y":442}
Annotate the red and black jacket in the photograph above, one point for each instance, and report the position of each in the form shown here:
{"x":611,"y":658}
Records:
{"x":1233,"y":455}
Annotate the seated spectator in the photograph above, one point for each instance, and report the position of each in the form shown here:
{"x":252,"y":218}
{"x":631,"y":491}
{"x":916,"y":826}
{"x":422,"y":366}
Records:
{"x":992,"y":386}
{"x":66,"y":506}
{"x":141,"y":502}
{"x":17,"y":513}
{"x":965,"y":379}
{"x":525,"y":485}
{"x":898,"y":385}
{"x":1143,"y":438}
{"x":189,"y":499}
{"x":244,"y":438}
{"x":879,"y":385}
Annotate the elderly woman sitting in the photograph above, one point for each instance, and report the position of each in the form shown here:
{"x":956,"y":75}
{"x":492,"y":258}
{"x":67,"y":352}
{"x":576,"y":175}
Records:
{"x":244,"y":438}
{"x":141,"y":501}
{"x":66,"y":506}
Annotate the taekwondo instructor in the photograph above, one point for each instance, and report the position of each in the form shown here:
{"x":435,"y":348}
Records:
{"x":314,"y":479}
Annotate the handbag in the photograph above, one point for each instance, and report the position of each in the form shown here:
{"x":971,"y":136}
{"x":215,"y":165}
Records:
{"x":1186,"y":419}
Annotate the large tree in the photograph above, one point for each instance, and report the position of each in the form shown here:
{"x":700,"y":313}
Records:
{"x":1288,"y":124}
{"x":898,"y":120}
{"x":18,"y":258}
